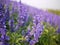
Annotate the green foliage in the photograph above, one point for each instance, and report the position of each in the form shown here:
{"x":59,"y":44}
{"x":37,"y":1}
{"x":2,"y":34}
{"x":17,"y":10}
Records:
{"x":48,"y":36}
{"x":54,"y":11}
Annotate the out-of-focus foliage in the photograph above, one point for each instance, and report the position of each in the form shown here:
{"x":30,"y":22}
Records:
{"x":49,"y":36}
{"x":16,"y":38}
{"x":54,"y":11}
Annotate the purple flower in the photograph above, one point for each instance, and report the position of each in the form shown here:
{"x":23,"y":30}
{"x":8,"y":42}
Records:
{"x":36,"y":31}
{"x":11,"y":24}
{"x":58,"y":31}
{"x":3,"y":20}
{"x":23,"y":14}
{"x":32,"y":42}
{"x":1,"y":43}
{"x":7,"y":14}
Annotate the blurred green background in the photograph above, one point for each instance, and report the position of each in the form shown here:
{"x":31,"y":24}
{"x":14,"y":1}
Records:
{"x":54,"y":11}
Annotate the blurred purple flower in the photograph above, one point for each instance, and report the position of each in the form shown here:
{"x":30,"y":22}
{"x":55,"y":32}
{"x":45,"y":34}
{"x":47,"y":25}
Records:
{"x":3,"y":19}
{"x":32,"y":42}
{"x":11,"y":24}
{"x":36,"y":31}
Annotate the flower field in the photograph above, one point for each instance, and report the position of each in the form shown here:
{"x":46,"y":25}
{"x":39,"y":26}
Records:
{"x":21,"y":24}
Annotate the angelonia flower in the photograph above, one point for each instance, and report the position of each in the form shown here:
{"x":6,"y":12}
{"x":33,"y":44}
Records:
{"x":38,"y":27}
{"x":23,"y":14}
{"x":36,"y":31}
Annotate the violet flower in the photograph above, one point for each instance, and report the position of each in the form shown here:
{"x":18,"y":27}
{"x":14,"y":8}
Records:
{"x":11,"y":24}
{"x":3,"y":22}
{"x":37,"y":29}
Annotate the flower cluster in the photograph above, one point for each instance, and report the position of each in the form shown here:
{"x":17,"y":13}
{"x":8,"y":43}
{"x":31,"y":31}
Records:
{"x":23,"y":14}
{"x":37,"y":29}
